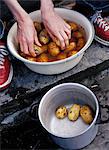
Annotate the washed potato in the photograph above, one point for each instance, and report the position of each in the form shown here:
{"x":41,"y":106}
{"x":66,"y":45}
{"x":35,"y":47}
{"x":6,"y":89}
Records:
{"x":77,"y":34}
{"x":44,"y":37}
{"x":53,"y":49}
{"x":61,"y":112}
{"x":86,"y":114}
{"x":61,"y":56}
{"x":37,"y":26}
{"x":71,"y":53}
{"x":73,"y":26}
{"x":70,"y":47}
{"x":80,"y":43}
{"x":73,"y":112}
{"x":42,"y":57}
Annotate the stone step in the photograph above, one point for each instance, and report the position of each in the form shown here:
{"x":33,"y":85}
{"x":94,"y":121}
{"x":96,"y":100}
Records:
{"x":27,"y":84}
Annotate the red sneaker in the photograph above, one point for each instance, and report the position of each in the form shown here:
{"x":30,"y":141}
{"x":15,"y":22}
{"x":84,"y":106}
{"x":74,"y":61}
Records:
{"x":101,"y":26}
{"x":6,"y":70}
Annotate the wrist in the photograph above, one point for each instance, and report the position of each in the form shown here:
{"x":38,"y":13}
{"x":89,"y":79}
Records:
{"x":20,"y":16}
{"x":46,"y":6}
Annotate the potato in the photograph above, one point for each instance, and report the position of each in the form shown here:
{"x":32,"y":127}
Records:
{"x":71,"y":53}
{"x":44,"y":48}
{"x":73,"y":26}
{"x":40,"y":49}
{"x":86,"y":114}
{"x":70,"y":47}
{"x":62,"y":56}
{"x":42,"y":58}
{"x":80,"y":43}
{"x":44,"y":37}
{"x":61,"y":112}
{"x":73,"y":39}
{"x":37,"y":26}
{"x":53,"y":49}
{"x":73,"y":112}
{"x":31,"y":58}
{"x":77,"y":34}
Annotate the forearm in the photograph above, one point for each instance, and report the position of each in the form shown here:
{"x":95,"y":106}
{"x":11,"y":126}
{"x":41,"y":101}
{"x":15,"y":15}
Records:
{"x":46,"y":5}
{"x":17,"y":11}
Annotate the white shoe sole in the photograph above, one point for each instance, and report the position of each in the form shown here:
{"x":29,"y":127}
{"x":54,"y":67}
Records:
{"x":106,"y":43}
{"x":8,"y":80}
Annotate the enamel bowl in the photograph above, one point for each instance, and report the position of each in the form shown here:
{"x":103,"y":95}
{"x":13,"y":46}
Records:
{"x":60,"y":66}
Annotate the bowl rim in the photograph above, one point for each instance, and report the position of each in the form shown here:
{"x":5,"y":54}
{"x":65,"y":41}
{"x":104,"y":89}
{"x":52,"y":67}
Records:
{"x":66,"y":84}
{"x":87,"y":44}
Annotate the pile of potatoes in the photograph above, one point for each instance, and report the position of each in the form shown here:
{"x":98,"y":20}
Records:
{"x":51,"y":50}
{"x":74,"y":112}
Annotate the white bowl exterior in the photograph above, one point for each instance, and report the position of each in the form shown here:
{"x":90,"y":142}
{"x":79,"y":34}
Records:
{"x":57,"y":66}
{"x":54,"y":68}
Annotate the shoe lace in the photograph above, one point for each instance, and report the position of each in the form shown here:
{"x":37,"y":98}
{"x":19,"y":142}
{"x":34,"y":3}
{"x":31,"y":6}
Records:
{"x":3,"y":53}
{"x":97,"y":18}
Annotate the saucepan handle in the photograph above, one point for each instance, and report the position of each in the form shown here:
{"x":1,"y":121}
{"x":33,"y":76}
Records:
{"x":33,"y":112}
{"x":103,"y":116}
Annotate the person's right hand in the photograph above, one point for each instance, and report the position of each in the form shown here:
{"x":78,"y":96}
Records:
{"x":27,"y":36}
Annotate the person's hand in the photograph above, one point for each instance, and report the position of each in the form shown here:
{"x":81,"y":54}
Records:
{"x":57,"y":27}
{"x":27,"y":36}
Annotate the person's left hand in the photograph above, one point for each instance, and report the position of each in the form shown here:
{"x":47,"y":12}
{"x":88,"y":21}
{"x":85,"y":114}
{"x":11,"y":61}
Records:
{"x":57,"y":27}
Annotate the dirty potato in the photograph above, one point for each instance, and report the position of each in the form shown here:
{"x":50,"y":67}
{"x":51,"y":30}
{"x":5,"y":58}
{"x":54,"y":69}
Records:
{"x":61,"y":112}
{"x":40,"y":49}
{"x":73,"y":26}
{"x":42,"y":57}
{"x":37,"y":26}
{"x":77,"y":34}
{"x":61,"y":56}
{"x":44,"y":37}
{"x":31,"y":58}
{"x":73,"y":112}
{"x":71,"y":53}
{"x":80,"y":43}
{"x":70,"y":47}
{"x":53,"y":49}
{"x":86,"y":114}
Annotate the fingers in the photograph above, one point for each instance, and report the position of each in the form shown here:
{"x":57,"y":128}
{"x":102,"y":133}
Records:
{"x":67,"y":26}
{"x":36,"y":39}
{"x":31,"y":48}
{"x":68,"y":32}
{"x":23,"y":46}
{"x":50,"y":33}
{"x":65,"y":37}
{"x":61,"y":39}
{"x":26,"y":47}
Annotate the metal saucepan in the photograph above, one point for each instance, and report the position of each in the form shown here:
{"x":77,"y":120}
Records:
{"x":65,"y":133}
